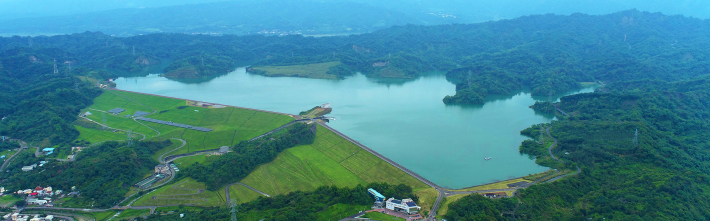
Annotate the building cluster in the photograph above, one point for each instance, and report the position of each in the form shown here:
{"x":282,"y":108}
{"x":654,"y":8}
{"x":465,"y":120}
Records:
{"x":39,"y":196}
{"x":495,"y":195}
{"x":403,"y":206}
{"x":19,"y":217}
{"x":33,"y":166}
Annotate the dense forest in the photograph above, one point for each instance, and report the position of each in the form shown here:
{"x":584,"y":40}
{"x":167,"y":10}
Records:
{"x":39,"y":105}
{"x":546,"y":53}
{"x":246,"y":156}
{"x":102,"y":174}
{"x":296,"y":206}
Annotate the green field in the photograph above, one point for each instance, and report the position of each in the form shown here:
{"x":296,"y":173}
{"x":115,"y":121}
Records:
{"x":185,"y":191}
{"x":132,"y":214}
{"x":318,"y":70}
{"x":381,"y":216}
{"x":8,"y":200}
{"x":95,"y":136}
{"x":330,"y":160}
{"x":242,"y":194}
{"x":230,"y":125}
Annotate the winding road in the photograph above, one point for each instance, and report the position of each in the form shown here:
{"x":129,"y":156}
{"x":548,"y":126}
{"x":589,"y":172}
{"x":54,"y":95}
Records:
{"x":23,"y":146}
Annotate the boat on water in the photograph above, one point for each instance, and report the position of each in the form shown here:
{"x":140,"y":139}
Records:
{"x":487,"y":158}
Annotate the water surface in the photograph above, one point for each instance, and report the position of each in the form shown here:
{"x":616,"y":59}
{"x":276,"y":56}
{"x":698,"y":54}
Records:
{"x":404,"y":120}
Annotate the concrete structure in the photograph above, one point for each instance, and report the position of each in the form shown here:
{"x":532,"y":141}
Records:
{"x":495,"y":195}
{"x":116,"y":111}
{"x":161,"y":169}
{"x":140,"y":114}
{"x":406,"y":205}
{"x":379,"y":198}
{"x":325,"y":106}
{"x":170,"y":123}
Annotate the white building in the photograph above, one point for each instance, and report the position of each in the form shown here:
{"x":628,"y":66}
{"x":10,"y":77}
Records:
{"x":406,"y":205}
{"x":325,"y":106}
{"x":27,"y":168}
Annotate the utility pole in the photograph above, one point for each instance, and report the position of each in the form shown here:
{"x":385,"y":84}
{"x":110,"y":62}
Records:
{"x":103,"y":115}
{"x":55,"y":67}
{"x":130,"y":138}
{"x":233,"y":206}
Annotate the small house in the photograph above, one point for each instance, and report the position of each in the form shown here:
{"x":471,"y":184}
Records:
{"x":27,"y":168}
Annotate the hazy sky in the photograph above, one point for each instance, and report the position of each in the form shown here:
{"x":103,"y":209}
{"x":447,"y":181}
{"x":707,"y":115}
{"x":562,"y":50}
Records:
{"x":500,"y":8}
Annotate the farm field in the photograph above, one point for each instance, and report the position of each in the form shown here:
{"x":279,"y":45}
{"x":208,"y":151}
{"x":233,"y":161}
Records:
{"x":330,"y":160}
{"x":186,"y":191}
{"x":318,"y":70}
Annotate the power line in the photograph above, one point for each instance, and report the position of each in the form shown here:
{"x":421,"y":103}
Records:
{"x":104,"y":118}
{"x":55,"y":67}
{"x":130,"y":138}
{"x":233,"y":206}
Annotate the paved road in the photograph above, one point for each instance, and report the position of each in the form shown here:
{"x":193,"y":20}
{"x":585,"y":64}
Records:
{"x":162,"y":157}
{"x":560,"y":110}
{"x":23,"y":146}
{"x":549,"y":150}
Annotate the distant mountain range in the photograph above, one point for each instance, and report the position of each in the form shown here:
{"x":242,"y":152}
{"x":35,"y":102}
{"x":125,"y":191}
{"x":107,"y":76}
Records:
{"x":272,"y":17}
{"x":306,"y":17}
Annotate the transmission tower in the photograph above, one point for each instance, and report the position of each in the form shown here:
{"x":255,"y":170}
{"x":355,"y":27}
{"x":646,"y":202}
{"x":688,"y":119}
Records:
{"x":549,"y":97}
{"x":636,"y":137}
{"x":203,"y":61}
{"x":76,"y":85}
{"x":30,"y":42}
{"x":103,"y":115}
{"x":55,"y":67}
{"x":130,"y":138}
{"x":134,"y":50}
{"x":233,"y":206}
{"x":542,"y":136}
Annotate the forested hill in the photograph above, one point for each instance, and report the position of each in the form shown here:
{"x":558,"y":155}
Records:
{"x":547,"y":53}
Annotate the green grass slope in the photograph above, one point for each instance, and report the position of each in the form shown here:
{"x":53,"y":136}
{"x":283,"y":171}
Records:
{"x":330,"y":160}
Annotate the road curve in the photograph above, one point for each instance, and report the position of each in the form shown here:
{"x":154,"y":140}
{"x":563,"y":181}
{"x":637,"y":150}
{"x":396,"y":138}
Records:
{"x":23,"y":146}
{"x":549,"y":150}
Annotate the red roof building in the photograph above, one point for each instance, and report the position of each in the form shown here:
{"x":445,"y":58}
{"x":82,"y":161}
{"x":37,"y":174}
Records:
{"x":38,"y":188}
{"x":33,"y":194}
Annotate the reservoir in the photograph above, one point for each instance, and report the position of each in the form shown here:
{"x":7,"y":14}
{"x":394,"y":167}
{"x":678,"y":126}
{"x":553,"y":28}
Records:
{"x":404,"y":120}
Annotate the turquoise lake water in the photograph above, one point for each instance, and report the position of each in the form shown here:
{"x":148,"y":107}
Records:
{"x":404,"y":120}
